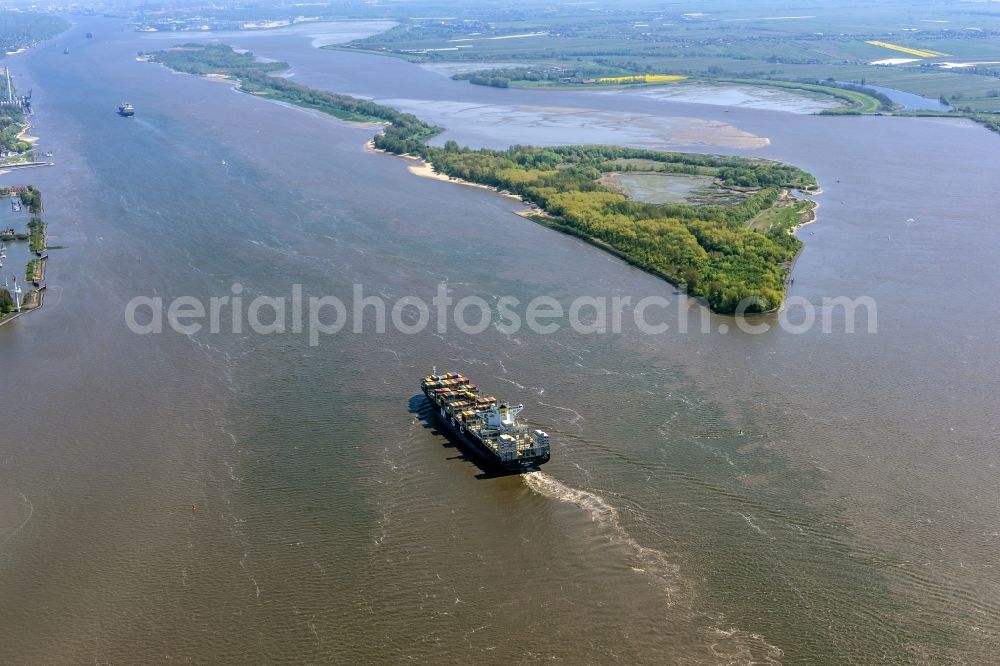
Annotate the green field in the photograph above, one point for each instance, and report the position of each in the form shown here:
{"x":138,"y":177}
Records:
{"x":725,"y":40}
{"x":785,"y":214}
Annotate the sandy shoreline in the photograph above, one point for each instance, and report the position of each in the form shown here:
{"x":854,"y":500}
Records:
{"x":24,"y":136}
{"x":425,"y":169}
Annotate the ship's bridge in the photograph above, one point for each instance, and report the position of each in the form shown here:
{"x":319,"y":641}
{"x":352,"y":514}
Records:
{"x":501,"y":417}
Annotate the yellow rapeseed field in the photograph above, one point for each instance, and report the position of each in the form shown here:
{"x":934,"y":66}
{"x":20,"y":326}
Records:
{"x":920,"y":53}
{"x":643,"y":78}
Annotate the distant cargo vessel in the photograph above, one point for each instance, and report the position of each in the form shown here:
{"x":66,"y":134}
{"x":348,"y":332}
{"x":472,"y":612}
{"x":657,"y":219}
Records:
{"x":126,"y":110}
{"x":488,"y":427}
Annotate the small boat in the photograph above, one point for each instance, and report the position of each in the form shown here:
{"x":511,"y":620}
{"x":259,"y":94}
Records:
{"x":65,"y":51}
{"x":126,"y":110}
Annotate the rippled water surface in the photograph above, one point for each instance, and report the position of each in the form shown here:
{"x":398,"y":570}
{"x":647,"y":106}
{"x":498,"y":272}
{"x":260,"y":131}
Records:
{"x":712,"y":498}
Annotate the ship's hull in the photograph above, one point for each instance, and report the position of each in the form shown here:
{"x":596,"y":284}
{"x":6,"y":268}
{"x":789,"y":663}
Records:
{"x":126,"y":113}
{"x":475,"y":445}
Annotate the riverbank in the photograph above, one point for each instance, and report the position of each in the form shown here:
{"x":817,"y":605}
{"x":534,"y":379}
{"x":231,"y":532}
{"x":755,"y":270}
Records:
{"x":709,"y":249}
{"x":788,"y":214}
{"x":26,"y":198}
{"x":811,"y":217}
{"x":425,"y":169}
{"x":11,"y":316}
{"x":24,"y":136}
{"x":12,"y":302}
{"x":25,"y":158}
{"x":20,"y":166}
{"x":32,"y":300}
{"x":783,"y":213}
{"x":780,"y":216}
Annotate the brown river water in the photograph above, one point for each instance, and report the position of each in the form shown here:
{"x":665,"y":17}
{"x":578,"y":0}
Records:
{"x":713,"y":498}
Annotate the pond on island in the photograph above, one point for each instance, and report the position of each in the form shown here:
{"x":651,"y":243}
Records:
{"x":669,"y":188}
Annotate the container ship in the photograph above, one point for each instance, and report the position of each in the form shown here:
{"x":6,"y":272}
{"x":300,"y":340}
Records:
{"x":486,"y":426}
{"x":126,"y":110}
